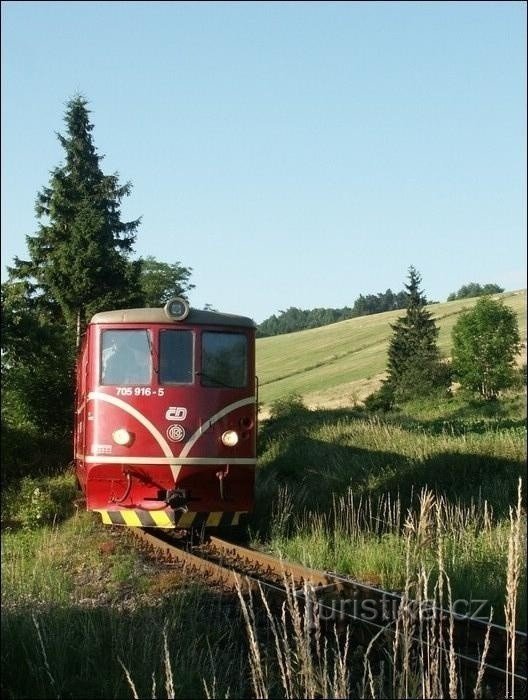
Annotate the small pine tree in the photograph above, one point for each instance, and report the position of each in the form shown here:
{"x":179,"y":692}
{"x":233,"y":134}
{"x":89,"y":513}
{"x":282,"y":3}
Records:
{"x":414,"y":361}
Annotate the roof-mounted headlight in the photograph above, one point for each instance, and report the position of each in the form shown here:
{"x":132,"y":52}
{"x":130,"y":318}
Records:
{"x":177,"y":309}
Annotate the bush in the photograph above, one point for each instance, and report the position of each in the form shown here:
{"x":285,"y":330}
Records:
{"x":382,"y":399}
{"x":288,"y":407}
{"x":34,"y":502}
{"x":422,"y":381}
{"x":26,"y":451}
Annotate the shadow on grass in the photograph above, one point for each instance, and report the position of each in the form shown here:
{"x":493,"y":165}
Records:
{"x":73,"y":652}
{"x":315,"y":471}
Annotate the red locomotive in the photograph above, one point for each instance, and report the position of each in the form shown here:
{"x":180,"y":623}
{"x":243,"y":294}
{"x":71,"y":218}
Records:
{"x":165,"y":430}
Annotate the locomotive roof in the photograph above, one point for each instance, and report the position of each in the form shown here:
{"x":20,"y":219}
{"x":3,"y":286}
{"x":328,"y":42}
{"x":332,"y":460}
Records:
{"x":155,"y":315}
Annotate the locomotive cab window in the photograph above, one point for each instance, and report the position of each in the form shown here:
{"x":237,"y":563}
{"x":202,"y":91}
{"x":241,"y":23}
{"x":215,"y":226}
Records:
{"x":224,"y":360}
{"x":176,"y":357}
{"x":126,"y":357}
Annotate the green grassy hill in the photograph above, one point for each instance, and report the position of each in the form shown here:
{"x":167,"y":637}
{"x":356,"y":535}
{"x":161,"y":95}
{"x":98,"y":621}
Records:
{"x":340,"y":364}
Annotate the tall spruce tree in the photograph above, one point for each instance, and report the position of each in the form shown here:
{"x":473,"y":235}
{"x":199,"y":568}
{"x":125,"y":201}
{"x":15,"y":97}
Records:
{"x":78,"y":261}
{"x":78,"y":264}
{"x":414,"y":362}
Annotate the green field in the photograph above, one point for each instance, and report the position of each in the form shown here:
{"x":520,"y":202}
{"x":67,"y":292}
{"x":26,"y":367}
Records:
{"x":337,"y":365}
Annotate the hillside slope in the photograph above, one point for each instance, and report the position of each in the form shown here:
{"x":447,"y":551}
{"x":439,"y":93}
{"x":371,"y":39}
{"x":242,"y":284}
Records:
{"x":340,"y":364}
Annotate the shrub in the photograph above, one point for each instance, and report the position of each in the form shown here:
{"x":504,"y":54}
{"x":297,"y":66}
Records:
{"x":34,"y":502}
{"x":26,"y":451}
{"x":382,"y":399}
{"x":431,"y":379}
{"x":288,"y":407}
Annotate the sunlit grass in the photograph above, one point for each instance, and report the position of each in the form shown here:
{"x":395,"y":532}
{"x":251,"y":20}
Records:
{"x":351,"y":351}
{"x":81,"y":608}
{"x":339,"y":485}
{"x":413,"y":656}
{"x":367,"y":542}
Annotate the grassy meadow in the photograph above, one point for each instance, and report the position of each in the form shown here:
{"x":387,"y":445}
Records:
{"x":339,"y":364}
{"x":405,"y":500}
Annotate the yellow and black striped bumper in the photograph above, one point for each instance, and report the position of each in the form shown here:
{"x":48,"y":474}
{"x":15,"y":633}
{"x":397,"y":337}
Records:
{"x":169,"y":519}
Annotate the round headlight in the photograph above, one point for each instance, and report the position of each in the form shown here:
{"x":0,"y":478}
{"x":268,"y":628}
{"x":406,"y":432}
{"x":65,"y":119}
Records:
{"x":177,"y":308}
{"x":122,"y":437}
{"x":230,"y":438}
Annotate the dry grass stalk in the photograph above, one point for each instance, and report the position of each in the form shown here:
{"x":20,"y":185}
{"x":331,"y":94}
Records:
{"x":44,"y":655}
{"x":211,"y":693}
{"x":300,"y":649}
{"x":367,"y":669}
{"x":255,"y":660}
{"x":129,"y":679}
{"x":419,"y":632}
{"x":512,"y":587}
{"x":452,"y":658}
{"x":442,"y":576}
{"x":404,"y":626}
{"x":480,"y":675}
{"x":169,"y":684}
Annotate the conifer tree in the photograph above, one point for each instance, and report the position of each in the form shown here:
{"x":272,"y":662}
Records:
{"x":78,"y":264}
{"x":78,"y":261}
{"x":414,"y":362}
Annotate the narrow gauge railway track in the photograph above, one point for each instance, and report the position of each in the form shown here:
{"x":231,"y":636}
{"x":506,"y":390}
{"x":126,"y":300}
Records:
{"x":339,"y":600}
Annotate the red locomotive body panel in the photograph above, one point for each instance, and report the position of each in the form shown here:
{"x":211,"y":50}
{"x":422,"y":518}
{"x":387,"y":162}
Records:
{"x":166,"y":437}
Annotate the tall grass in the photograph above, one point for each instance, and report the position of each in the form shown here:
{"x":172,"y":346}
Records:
{"x":190,"y":642}
{"x":366,"y":538}
{"x":71,"y":651}
{"x":418,"y":501}
{"x":320,"y":454}
{"x":79,"y":604}
{"x":339,"y":485}
{"x":413,"y":656}
{"x":516,"y":548}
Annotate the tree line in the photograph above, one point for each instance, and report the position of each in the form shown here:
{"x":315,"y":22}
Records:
{"x":294,"y":319}
{"x":473,"y":289}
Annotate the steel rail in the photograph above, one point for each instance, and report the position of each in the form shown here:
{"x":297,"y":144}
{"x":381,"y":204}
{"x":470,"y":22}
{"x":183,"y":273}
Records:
{"x":323,"y":580}
{"x":215,"y":560}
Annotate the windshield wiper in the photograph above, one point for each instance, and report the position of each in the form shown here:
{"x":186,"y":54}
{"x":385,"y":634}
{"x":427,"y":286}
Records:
{"x":214,"y":379}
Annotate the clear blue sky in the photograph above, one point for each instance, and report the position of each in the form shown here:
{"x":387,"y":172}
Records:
{"x":292,"y":154}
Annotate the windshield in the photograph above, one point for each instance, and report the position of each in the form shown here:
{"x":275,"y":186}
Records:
{"x":125,"y":357}
{"x":224,"y":360}
{"x":176,"y":357}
